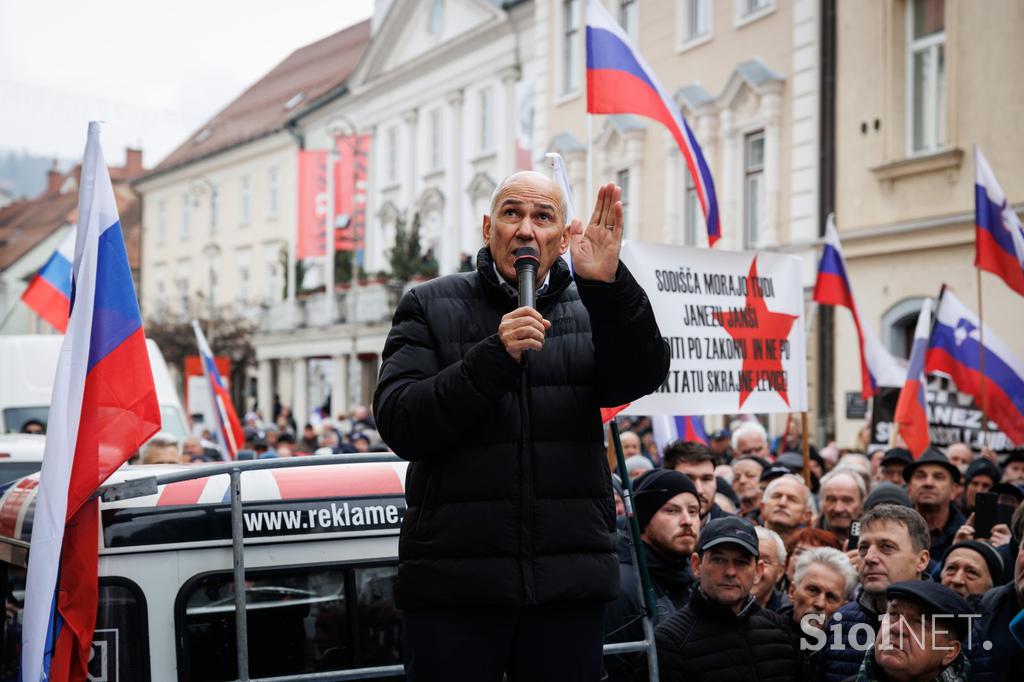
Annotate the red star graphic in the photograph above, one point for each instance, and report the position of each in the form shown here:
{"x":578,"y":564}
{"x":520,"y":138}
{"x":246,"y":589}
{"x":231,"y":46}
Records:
{"x":769,"y":326}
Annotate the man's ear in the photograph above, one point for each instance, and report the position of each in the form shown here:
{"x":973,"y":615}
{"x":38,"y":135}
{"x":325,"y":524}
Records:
{"x":563,"y":244}
{"x":487,"y":230}
{"x":792,"y":591}
{"x":695,"y":564}
{"x":759,"y":572}
{"x":952,"y":652}
{"x":922,"y":560}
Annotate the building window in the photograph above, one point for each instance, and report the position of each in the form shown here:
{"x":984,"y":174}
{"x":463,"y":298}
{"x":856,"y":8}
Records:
{"x":181,"y":281}
{"x":435,"y":139}
{"x":273,"y":192}
{"x":214,"y":208}
{"x":161,"y":222}
{"x":750,"y":7}
{"x":392,"y":137}
{"x":186,"y":210}
{"x":926,"y":66}
{"x":753,"y":185}
{"x":486,"y":119}
{"x":435,"y":19}
{"x":570,"y":46}
{"x":628,"y":18}
{"x":694,"y":20}
{"x":691,"y":211}
{"x":246,"y":200}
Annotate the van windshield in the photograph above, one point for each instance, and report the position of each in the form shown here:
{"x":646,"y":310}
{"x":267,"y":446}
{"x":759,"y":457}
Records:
{"x":15,"y":417}
{"x":304,"y":619}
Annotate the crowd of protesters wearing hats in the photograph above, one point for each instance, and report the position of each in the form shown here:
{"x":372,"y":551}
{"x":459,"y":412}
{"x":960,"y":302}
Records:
{"x":886,"y":567}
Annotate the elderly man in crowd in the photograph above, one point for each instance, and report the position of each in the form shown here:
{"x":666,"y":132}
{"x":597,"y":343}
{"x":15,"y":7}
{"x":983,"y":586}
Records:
{"x":507,"y":550}
{"x":701,"y":641}
{"x":746,"y":477}
{"x":161,"y":449}
{"x":932,"y":485}
{"x":893,"y":548}
{"x":668,"y":513}
{"x":971,"y":568}
{"x":750,"y":439}
{"x":842,"y":496}
{"x":773,"y":555}
{"x":960,"y":455}
{"x":922,"y":637}
{"x":786,"y":505}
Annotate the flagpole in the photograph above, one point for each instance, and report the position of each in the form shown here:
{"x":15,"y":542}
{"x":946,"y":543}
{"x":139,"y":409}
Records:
{"x":590,"y":161}
{"x":805,"y":446}
{"x":981,"y":363}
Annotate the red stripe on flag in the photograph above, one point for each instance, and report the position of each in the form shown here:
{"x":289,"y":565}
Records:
{"x":78,"y":594}
{"x":967,"y":380}
{"x":119,"y":412}
{"x":912,"y":418}
{"x":182,"y":492}
{"x":608,"y":413}
{"x":50,"y":304}
{"x":356,"y":480}
{"x":990,"y":256}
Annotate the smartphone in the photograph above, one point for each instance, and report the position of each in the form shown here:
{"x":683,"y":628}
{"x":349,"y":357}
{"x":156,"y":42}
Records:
{"x":986,"y":511}
{"x":854,"y":536}
{"x":1005,"y":514}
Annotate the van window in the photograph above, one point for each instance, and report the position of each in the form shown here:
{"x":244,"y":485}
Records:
{"x":300,"y":620}
{"x":15,"y":417}
{"x":120,"y":644}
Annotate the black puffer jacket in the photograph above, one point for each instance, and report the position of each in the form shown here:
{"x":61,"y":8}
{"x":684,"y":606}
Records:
{"x":707,"y":642}
{"x":509,"y":494}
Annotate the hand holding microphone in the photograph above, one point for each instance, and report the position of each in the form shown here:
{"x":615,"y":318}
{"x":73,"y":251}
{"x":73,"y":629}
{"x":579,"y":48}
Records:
{"x":523,"y":328}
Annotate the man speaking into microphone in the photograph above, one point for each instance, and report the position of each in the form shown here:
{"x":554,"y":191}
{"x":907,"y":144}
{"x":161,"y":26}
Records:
{"x":506,"y":554}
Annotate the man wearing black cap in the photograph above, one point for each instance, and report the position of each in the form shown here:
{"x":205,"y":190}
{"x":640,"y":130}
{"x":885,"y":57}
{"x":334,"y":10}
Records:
{"x":981,"y":476}
{"x":722,"y":634}
{"x":893,"y":463}
{"x":932,"y":484}
{"x":668,"y":513}
{"x":923,"y":636}
{"x":1013,"y":467}
{"x":971,"y":568}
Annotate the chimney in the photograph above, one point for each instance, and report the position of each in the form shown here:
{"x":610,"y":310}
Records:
{"x":132,"y":162}
{"x":54,"y":178}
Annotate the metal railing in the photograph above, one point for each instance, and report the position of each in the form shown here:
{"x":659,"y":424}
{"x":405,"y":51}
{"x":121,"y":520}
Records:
{"x":149,"y":485}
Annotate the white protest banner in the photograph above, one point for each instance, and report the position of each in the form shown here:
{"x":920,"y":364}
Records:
{"x":734,"y":323}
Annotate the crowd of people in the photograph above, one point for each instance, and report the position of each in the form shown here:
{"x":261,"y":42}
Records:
{"x":886,"y":567}
{"x":351,"y":433}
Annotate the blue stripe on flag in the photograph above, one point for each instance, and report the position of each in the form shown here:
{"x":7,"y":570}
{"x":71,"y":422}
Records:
{"x":116,"y":312}
{"x":606,"y":51}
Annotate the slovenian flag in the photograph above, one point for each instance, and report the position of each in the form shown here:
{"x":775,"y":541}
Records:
{"x":228,"y":427}
{"x":104,"y":407}
{"x":912,"y":407}
{"x":999,"y":237}
{"x":49,"y":292}
{"x":955,"y":350}
{"x":877,"y":366}
{"x":668,"y":429}
{"x":619,"y":81}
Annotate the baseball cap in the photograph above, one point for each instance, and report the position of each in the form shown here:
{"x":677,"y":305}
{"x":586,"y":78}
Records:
{"x":729,"y":530}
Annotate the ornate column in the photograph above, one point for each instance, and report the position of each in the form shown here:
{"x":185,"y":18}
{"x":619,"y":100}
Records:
{"x":339,"y":386}
{"x":300,"y":391}
{"x":411,"y":119}
{"x":770,"y":104}
{"x":454,"y":228}
{"x":507,"y":142}
{"x":265,"y":388}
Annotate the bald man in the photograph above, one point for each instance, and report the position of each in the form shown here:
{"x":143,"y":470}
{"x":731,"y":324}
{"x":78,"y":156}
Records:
{"x":508,"y":545}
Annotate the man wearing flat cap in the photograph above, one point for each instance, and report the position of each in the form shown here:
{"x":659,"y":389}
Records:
{"x":722,"y":634}
{"x":668,"y":509}
{"x":922,"y":636}
{"x":932,"y":484}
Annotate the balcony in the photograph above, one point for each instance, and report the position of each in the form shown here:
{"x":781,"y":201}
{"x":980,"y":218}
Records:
{"x":374,"y":303}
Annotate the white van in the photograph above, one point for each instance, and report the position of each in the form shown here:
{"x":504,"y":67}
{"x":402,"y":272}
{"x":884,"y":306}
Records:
{"x":320,"y":537}
{"x":28,"y":365}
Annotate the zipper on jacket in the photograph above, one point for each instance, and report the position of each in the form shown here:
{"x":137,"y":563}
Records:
{"x":526,"y":492}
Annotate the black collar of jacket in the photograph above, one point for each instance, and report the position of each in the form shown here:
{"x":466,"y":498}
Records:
{"x":560,"y":279}
{"x":705,"y":606}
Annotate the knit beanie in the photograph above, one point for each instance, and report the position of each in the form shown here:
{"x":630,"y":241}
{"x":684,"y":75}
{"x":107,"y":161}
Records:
{"x":654,"y":488}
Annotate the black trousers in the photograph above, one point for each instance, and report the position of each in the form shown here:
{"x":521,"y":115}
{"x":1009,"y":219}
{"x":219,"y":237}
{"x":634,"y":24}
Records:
{"x":556,"y":642}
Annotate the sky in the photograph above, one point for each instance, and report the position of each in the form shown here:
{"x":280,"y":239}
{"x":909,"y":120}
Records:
{"x":152,"y":71}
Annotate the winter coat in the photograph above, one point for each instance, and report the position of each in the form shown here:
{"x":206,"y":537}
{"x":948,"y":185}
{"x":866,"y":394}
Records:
{"x":509,"y":496}
{"x":707,"y":642}
{"x":995,"y":663}
{"x":842,"y":656}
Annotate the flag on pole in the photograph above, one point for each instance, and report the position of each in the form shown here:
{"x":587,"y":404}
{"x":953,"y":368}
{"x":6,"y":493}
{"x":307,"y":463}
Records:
{"x":955,"y":349}
{"x":999,"y":237}
{"x":877,"y":366}
{"x":557,"y":166}
{"x":49,"y":292}
{"x":104,"y":407}
{"x":912,"y":407}
{"x":619,"y":81}
{"x":668,"y":429}
{"x":229,"y":429}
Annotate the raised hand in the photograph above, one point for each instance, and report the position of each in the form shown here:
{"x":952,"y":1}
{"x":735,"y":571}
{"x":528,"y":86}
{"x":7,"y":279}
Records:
{"x":595,"y":251}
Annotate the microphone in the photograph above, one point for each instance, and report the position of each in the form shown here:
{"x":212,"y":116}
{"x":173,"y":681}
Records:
{"x":526,"y":263}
